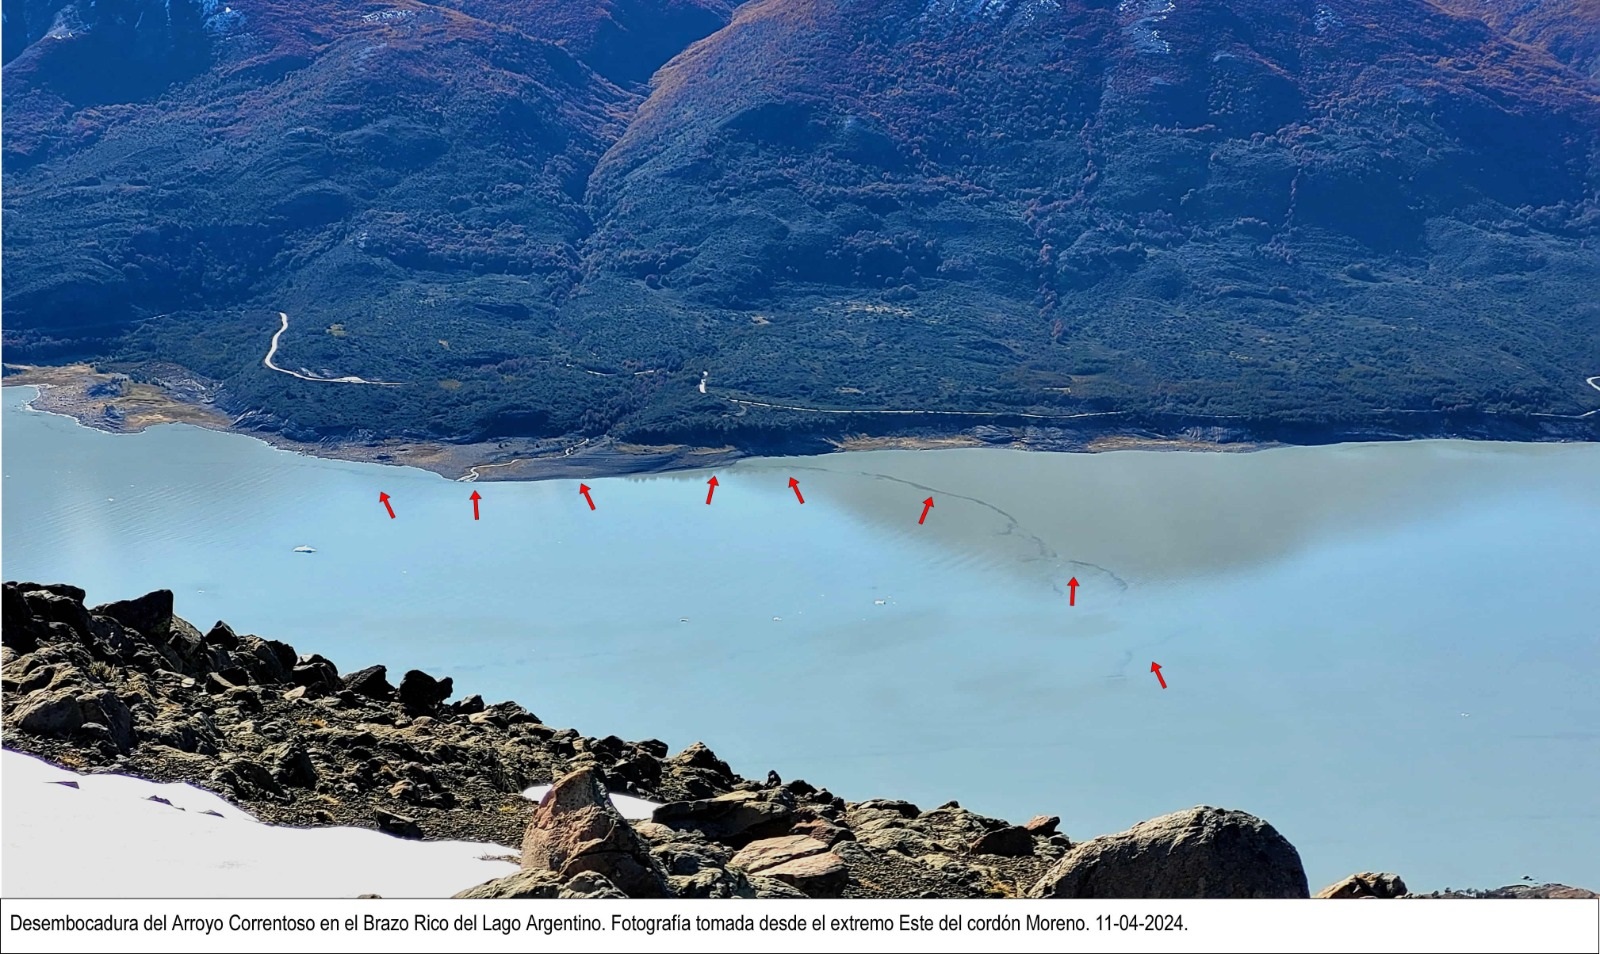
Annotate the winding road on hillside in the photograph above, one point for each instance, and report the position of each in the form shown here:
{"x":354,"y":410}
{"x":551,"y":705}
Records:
{"x":347,"y":379}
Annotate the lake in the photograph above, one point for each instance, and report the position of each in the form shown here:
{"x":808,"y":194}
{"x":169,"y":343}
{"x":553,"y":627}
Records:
{"x":1388,"y":651}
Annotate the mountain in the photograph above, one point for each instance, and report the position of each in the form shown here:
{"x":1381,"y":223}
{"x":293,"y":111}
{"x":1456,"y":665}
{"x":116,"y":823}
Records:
{"x":1568,"y":29}
{"x":680,"y":221}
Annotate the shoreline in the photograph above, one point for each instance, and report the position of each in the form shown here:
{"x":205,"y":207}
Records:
{"x":113,"y":403}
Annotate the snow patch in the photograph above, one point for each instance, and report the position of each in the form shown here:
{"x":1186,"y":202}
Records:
{"x":105,"y":836}
{"x":388,"y":16}
{"x":1144,"y":18}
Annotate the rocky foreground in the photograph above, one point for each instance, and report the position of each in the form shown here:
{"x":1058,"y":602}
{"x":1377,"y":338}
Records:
{"x":131,"y":688}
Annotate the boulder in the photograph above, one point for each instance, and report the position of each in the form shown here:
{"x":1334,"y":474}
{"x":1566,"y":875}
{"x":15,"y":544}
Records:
{"x":1366,"y":884}
{"x":18,"y":628}
{"x":728,"y":817}
{"x":318,"y":675}
{"x":589,"y":885}
{"x":150,"y":614}
{"x":59,"y":589}
{"x":543,"y":885}
{"x":103,"y":706}
{"x":291,"y":765}
{"x":248,"y":780}
{"x":1201,"y":852}
{"x":771,"y":852}
{"x":1043,"y":825}
{"x":372,"y":682}
{"x":222,"y":636}
{"x":397,"y":825}
{"x":823,"y":874}
{"x":263,"y":660}
{"x":1012,"y":841}
{"x":576,"y":829}
{"x":49,"y":712}
{"x":824,"y":831}
{"x":421,"y":694}
{"x":49,"y":607}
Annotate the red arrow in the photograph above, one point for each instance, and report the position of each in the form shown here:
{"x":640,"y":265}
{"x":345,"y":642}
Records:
{"x":927,"y":505}
{"x":475,"y":499}
{"x":584,"y":489}
{"x":1072,"y":592}
{"x":711,"y":488}
{"x":1155,"y":667}
{"x":794,"y":485}
{"x":383,"y":498}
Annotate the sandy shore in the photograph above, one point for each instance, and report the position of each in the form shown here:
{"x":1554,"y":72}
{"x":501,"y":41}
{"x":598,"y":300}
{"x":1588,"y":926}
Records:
{"x":116,"y":404}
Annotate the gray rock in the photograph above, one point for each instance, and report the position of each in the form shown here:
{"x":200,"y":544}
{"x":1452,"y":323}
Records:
{"x":399,"y":826}
{"x":576,"y":829}
{"x":372,"y":682}
{"x":104,"y":707}
{"x":150,"y":614}
{"x":291,"y":765}
{"x":590,"y":885}
{"x":49,"y":712}
{"x":1201,"y":852}
{"x":248,"y":780}
{"x":1366,"y":884}
{"x":732,"y":816}
{"x":222,"y":636}
{"x":543,"y":885}
{"x":1012,"y":841}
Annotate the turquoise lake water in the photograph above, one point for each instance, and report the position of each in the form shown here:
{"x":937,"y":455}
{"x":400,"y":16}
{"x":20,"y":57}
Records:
{"x":1389,"y":651}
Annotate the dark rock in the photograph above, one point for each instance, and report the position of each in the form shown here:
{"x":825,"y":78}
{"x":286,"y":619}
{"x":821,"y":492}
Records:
{"x":525,"y":884}
{"x":1202,"y":852}
{"x":103,"y":706}
{"x":654,"y":747}
{"x":222,"y":636}
{"x":1043,"y":825}
{"x":53,"y":712}
{"x":509,"y":713}
{"x":902,"y":808}
{"x":150,"y":614}
{"x":372,"y":682}
{"x":264,"y":664}
{"x":397,"y":825}
{"x":800,"y":788}
{"x":1012,"y":841}
{"x":248,"y":780}
{"x":576,"y":829}
{"x":48,"y":607}
{"x":216,"y":683}
{"x":18,"y":628}
{"x":730,"y":817}
{"x":421,"y":693}
{"x":59,"y":589}
{"x":291,"y":765}
{"x":1366,"y":884}
{"x":318,"y":675}
{"x":469,"y":705}
{"x":590,"y":885}
{"x":700,"y":756}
